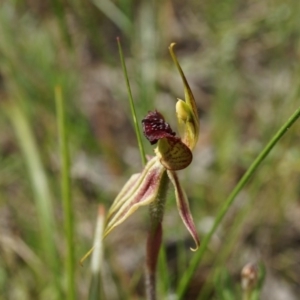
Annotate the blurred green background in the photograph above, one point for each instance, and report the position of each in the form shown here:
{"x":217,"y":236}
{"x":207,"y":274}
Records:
{"x":242,"y":61}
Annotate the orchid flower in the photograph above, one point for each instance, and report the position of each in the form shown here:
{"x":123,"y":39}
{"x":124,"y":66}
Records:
{"x":171,"y":154}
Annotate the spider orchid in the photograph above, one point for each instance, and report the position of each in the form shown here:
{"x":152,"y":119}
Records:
{"x":171,"y":154}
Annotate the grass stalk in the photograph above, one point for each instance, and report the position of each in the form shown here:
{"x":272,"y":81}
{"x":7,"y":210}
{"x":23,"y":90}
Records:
{"x":132,"y":107}
{"x":232,"y":236}
{"x":183,"y":284}
{"x":40,"y":187}
{"x":66,"y":192}
{"x":113,"y":13}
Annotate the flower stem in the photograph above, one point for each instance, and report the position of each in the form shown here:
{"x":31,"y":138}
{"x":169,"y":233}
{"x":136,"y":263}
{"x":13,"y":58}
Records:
{"x":153,"y":245}
{"x":247,"y":294}
{"x":154,"y":238}
{"x":227,"y":204}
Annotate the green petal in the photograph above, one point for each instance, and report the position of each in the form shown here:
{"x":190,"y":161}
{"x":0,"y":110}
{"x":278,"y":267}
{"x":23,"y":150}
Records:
{"x":184,"y":209}
{"x":143,"y":191}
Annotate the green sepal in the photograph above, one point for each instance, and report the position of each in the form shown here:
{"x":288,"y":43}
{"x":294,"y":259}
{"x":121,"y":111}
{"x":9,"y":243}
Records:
{"x":187,"y":113}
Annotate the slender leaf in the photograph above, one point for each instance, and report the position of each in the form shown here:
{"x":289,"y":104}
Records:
{"x":66,"y":193}
{"x":40,"y":187}
{"x":227,"y":204}
{"x":132,"y":107}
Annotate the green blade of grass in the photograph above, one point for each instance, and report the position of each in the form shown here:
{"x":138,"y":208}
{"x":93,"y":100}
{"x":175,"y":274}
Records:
{"x":40,"y":187}
{"x":148,"y":39}
{"x":133,"y":113}
{"x":183,"y":284}
{"x":232,"y":236}
{"x":115,"y":15}
{"x":66,"y":192}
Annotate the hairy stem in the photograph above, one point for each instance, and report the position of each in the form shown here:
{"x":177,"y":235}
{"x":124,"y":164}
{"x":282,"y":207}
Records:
{"x":154,"y":238}
{"x":153,"y":245}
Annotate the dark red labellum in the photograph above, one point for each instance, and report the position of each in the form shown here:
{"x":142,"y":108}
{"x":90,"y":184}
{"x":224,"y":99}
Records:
{"x":155,"y":127}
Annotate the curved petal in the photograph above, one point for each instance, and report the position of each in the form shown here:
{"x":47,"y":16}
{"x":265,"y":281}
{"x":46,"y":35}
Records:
{"x":145,"y":189}
{"x":173,"y":153}
{"x":183,"y":208}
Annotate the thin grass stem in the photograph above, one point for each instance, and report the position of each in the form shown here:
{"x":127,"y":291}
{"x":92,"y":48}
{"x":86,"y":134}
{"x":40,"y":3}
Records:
{"x":66,"y":192}
{"x":116,"y":15}
{"x":132,"y":107}
{"x":40,"y":187}
{"x":183,"y":284}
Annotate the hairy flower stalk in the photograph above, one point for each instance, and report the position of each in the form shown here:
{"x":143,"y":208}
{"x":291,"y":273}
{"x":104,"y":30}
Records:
{"x":150,"y":186}
{"x":154,"y":239}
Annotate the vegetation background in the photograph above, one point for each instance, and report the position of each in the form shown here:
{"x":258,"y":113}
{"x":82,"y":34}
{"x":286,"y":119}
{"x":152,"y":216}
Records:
{"x":242,"y":61}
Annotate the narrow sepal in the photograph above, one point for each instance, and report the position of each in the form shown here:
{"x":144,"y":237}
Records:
{"x":127,"y":189}
{"x":183,"y":208}
{"x":189,"y":111}
{"x":144,"y":190}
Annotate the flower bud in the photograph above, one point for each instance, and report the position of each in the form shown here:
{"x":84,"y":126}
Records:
{"x":249,"y":276}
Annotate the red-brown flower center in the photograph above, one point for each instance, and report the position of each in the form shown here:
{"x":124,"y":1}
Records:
{"x":155,"y":127}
